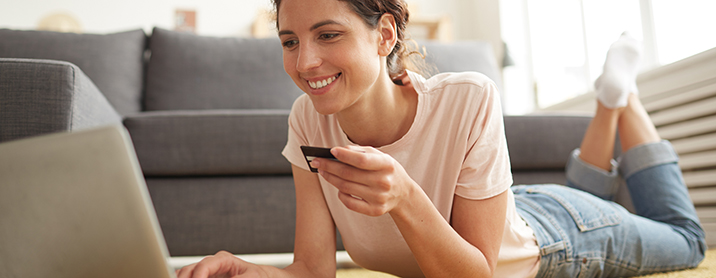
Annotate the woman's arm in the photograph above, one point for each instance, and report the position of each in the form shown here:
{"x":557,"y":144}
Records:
{"x":468,"y":248}
{"x":373,"y":183}
{"x":315,"y":246}
{"x":314,"y":249}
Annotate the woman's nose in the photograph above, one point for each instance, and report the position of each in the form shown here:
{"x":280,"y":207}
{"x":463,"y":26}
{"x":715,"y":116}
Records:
{"x":308,"y":58}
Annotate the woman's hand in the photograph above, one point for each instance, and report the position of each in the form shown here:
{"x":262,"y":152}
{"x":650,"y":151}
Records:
{"x":222,"y":264}
{"x":369,"y":181}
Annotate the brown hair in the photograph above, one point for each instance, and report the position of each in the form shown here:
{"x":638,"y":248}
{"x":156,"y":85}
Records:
{"x":401,"y":57}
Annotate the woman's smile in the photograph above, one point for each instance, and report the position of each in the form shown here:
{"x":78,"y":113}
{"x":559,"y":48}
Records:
{"x":320,"y":85}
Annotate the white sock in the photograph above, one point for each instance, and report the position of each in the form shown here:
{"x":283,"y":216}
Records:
{"x":619,"y":76}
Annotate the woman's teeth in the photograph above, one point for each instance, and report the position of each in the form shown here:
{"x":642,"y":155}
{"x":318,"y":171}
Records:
{"x":321,"y":84}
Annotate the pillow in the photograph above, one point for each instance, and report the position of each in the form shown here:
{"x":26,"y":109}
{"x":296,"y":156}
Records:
{"x":187,"y":71}
{"x":463,"y":56}
{"x":114,"y":62}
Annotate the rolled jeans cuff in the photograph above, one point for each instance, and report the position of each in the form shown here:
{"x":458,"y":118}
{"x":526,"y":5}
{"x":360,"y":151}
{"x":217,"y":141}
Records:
{"x":592,"y":179}
{"x":645,"y":156}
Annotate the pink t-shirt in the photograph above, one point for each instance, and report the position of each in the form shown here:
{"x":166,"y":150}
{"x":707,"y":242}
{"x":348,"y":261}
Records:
{"x":455,"y":146}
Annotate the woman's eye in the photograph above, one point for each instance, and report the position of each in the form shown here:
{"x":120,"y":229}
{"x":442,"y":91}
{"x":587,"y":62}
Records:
{"x":328,"y":36}
{"x":290,"y":43}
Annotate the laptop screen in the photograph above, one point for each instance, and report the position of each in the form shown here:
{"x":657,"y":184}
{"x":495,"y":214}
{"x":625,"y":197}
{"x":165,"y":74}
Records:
{"x":76,"y":205}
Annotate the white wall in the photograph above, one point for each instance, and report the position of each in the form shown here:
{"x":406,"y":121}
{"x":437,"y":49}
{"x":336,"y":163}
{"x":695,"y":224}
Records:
{"x":472,"y":19}
{"x":214,"y":17}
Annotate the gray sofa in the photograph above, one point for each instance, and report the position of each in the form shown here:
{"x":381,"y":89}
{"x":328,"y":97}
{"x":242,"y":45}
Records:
{"x":208,"y":119}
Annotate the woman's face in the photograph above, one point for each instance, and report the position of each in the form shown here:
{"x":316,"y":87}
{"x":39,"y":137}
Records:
{"x":329,"y":52}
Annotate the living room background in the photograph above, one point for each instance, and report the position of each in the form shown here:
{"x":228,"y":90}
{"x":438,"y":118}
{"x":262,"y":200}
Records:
{"x":215,"y":17}
{"x":557,"y":46}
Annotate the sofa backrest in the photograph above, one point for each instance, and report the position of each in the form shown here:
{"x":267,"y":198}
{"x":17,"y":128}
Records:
{"x":187,"y":71}
{"x":462,"y":56}
{"x":540,"y":145}
{"x":114,"y":62}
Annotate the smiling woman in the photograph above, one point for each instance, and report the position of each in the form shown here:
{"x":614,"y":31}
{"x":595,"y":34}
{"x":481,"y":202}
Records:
{"x":420,"y":182}
{"x":320,"y":50}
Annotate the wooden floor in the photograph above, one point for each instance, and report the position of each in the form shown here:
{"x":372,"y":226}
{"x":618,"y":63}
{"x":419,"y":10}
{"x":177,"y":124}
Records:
{"x":707,"y":269}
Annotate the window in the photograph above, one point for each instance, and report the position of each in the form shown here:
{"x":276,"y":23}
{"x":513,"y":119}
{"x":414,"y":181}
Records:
{"x":683,"y":28}
{"x":559,"y":46}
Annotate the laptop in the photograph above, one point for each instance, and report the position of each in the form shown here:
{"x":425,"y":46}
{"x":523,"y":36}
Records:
{"x":76,"y":205}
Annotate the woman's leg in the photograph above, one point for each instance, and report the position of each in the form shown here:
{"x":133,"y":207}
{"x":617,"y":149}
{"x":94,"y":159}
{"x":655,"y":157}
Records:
{"x":665,"y":235}
{"x":653,"y":177}
{"x":635,"y":126}
{"x":593,"y":161}
{"x":648,"y":165}
{"x":598,"y":143}
{"x":615,"y":89}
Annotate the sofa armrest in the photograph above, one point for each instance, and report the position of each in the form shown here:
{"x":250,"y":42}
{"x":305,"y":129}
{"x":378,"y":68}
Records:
{"x":45,"y":96}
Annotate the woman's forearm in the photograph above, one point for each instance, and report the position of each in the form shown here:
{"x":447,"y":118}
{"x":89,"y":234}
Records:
{"x":438,"y":248}
{"x":298,"y":269}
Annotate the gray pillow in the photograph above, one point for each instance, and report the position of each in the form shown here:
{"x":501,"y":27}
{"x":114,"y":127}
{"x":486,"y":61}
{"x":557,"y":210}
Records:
{"x":463,"y":56}
{"x":114,"y":62}
{"x":187,"y":71}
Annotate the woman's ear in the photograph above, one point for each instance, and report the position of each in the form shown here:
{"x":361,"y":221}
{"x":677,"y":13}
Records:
{"x":388,"y":34}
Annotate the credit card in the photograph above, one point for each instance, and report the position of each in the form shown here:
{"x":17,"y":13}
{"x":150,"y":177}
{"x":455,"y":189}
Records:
{"x":312,"y":152}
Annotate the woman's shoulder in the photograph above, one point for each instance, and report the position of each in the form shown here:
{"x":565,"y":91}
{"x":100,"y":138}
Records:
{"x":302,"y":109}
{"x":303,"y":114}
{"x":465,"y":79}
{"x":469,"y":88}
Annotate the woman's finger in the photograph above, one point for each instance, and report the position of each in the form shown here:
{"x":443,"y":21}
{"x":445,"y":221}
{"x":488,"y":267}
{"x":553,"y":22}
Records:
{"x":185,"y":272}
{"x":359,"y":205}
{"x":340,"y":169}
{"x":344,"y":182}
{"x":366,"y":158}
{"x":221,"y":263}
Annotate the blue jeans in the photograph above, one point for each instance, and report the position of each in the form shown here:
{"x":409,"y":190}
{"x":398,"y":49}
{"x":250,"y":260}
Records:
{"x":582,"y":233}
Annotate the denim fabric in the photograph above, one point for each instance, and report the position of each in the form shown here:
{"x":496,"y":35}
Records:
{"x":582,"y":235}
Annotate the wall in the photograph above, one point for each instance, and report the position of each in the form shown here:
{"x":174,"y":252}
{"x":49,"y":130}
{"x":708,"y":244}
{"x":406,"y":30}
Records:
{"x":472,"y":19}
{"x":214,"y":17}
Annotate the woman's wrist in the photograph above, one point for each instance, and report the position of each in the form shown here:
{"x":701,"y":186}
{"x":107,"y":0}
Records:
{"x":412,"y":204}
{"x":295,"y":270}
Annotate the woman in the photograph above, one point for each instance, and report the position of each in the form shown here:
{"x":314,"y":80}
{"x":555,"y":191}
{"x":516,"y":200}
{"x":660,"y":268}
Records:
{"x":422,"y":183}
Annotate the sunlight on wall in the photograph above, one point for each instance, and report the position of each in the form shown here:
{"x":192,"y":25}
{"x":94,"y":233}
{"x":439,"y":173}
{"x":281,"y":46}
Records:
{"x":684,"y":28}
{"x":559,"y":46}
{"x":213,"y":17}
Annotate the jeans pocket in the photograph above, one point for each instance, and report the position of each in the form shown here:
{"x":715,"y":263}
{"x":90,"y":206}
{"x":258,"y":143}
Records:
{"x":588,"y":211}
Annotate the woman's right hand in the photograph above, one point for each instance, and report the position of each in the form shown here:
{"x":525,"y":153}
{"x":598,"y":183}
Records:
{"x":221,"y":265}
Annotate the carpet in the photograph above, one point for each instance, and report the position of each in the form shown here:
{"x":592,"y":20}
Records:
{"x":707,"y":269}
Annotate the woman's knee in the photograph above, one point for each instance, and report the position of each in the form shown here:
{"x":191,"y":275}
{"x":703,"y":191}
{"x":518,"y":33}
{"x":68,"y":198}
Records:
{"x":695,"y":236}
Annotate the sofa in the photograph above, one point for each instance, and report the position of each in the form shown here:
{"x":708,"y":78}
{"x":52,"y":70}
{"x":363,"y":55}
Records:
{"x":208,"y":119}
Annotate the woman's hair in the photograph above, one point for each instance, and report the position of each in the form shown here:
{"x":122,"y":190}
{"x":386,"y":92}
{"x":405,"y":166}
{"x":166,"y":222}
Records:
{"x":401,"y":58}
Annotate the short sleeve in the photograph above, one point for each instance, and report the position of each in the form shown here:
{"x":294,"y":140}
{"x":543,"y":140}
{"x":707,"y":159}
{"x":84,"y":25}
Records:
{"x":486,"y":169}
{"x":297,"y":134}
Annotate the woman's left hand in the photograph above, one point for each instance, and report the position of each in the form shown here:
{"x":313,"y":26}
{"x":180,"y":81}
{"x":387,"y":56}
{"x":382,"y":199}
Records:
{"x":369,"y":181}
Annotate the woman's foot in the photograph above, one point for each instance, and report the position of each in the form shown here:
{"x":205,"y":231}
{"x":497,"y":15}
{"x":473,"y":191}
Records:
{"x":618,"y":79}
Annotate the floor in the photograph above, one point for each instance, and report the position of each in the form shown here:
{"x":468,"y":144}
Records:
{"x":707,"y":269}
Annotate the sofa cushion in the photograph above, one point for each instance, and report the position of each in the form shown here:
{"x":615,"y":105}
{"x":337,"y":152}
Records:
{"x":202,"y":215}
{"x":65,"y":100}
{"x":187,"y":71}
{"x":210,"y":142}
{"x":543,"y":142}
{"x":114,"y":62}
{"x":463,"y":56}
